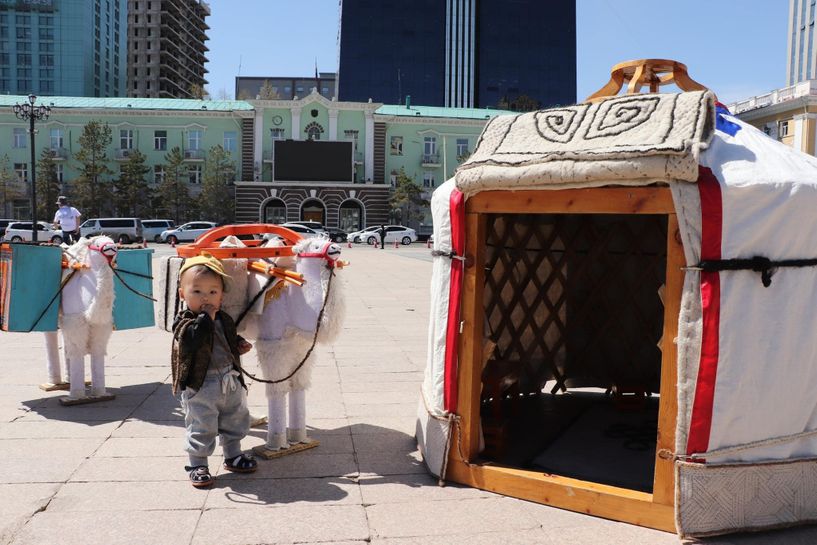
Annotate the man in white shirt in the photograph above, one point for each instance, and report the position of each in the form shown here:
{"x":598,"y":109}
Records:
{"x":67,"y":219}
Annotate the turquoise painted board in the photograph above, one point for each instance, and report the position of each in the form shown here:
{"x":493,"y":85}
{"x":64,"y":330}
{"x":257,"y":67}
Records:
{"x":131,"y":310}
{"x":32,"y":281}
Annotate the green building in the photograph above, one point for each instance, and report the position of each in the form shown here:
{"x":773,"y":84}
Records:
{"x":308,"y":158}
{"x":63,"y":47}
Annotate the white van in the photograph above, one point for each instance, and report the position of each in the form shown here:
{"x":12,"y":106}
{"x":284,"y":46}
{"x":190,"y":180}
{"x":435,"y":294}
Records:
{"x":122,"y":230}
{"x":152,"y":229}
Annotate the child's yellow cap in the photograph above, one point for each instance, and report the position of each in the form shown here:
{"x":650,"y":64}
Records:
{"x":211,"y":263}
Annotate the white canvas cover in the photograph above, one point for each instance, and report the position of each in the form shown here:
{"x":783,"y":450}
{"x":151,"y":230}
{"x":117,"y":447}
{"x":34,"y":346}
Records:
{"x":747,"y":361}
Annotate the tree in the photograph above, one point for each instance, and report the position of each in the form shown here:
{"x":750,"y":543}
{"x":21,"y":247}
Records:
{"x":267,"y":92}
{"x":131,"y":187}
{"x":219,"y":172}
{"x":407,"y":198}
{"x":173,"y":188}
{"x":11,"y":187}
{"x":92,"y":193}
{"x":199,"y":91}
{"x":48,"y":185}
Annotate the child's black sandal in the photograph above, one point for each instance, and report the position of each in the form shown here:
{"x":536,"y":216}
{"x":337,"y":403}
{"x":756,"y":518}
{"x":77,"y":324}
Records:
{"x":199,"y":476}
{"x":243,"y":463}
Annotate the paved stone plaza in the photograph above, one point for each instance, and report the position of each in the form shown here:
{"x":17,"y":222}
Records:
{"x":112,"y":473}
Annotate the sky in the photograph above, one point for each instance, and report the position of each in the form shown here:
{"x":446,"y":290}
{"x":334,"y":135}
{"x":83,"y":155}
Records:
{"x":736,"y":48}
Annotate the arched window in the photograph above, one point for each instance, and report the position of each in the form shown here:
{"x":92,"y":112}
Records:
{"x":313,"y":210}
{"x":350,"y":217}
{"x":275,"y":211}
{"x":313,"y":131}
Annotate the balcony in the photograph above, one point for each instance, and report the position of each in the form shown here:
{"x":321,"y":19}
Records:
{"x":194,"y":155}
{"x":58,"y":154}
{"x":430,"y":160}
{"x":124,"y":154}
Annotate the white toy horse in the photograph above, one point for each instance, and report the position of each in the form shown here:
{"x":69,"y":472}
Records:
{"x":87,"y":314}
{"x":286,"y":330}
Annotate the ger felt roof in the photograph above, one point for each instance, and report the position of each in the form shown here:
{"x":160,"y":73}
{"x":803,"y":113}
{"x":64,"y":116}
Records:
{"x":131,"y":103}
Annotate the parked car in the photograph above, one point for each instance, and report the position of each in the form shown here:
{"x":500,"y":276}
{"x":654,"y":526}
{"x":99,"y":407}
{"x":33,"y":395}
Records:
{"x":314,"y":225}
{"x":304,"y":231}
{"x":360,"y":236}
{"x":152,"y":229}
{"x":122,"y":230}
{"x":19,"y":231}
{"x":188,"y":232}
{"x":336,"y":235}
{"x":394,"y":233}
{"x":3,"y":224}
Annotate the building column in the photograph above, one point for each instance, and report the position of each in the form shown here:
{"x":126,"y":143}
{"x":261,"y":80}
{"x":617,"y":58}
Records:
{"x":258,"y":146}
{"x":804,"y":133}
{"x":296,"y":123}
{"x":368,"y":160}
{"x":333,"y":125}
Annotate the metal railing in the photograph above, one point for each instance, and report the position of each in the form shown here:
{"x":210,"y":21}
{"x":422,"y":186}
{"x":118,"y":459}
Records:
{"x":777,"y":96}
{"x":430,"y":159}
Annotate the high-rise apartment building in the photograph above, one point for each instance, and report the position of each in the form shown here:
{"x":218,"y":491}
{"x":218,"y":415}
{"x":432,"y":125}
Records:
{"x":458,"y":53}
{"x":802,"y":59}
{"x":63,"y":47}
{"x":166,"y":48}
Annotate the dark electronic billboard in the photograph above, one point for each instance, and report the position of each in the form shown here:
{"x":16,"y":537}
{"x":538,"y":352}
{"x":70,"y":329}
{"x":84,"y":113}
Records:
{"x":313,"y":161}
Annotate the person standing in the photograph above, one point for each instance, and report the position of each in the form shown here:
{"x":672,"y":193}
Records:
{"x":67,"y":218}
{"x":382,"y":233}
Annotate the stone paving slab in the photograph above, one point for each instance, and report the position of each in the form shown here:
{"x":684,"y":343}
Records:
{"x":113,"y":473}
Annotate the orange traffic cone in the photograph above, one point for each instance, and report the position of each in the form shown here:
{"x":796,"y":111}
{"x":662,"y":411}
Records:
{"x":376,"y":245}
{"x":350,"y":244}
{"x":428,"y":243}
{"x":396,"y":245}
{"x":173,"y":243}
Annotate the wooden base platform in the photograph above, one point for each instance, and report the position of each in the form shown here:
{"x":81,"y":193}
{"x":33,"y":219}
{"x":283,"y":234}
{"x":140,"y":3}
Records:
{"x":68,"y":401}
{"x":269,"y":454}
{"x":52,"y":386}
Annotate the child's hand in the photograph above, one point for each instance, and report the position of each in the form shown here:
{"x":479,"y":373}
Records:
{"x":210,"y":310}
{"x":244,"y":346}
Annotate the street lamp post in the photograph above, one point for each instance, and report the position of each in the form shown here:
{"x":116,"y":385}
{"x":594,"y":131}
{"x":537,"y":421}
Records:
{"x":32,"y":113}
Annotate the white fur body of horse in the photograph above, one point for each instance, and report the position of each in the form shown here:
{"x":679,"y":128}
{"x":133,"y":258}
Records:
{"x":86,"y":316}
{"x":285,"y":332}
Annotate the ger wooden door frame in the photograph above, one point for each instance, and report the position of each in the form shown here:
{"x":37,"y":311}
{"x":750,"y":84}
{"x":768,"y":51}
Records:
{"x":654,"y":510}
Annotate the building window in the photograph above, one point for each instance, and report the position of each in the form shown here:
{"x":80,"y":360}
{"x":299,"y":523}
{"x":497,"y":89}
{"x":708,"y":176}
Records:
{"x":194,"y":140}
{"x":47,"y":73}
{"x":277,"y":134}
{"x":46,"y":86}
{"x":353,"y":136}
{"x":23,"y":46}
{"x":56,"y":136}
{"x":396,"y":146}
{"x":429,"y":145}
{"x":23,"y":20}
{"x":313,"y":131}
{"x":21,"y":169}
{"x":19,"y":140}
{"x":194,"y":174}
{"x":46,"y":20}
{"x":428,"y":179}
{"x":126,"y":139}
{"x":46,"y":33}
{"x":158,"y":174}
{"x":23,"y":58}
{"x":60,"y":173}
{"x":783,"y":128}
{"x":46,"y":60}
{"x":160,"y":140}
{"x":230,"y":138}
{"x":23,"y":33}
{"x":462,"y":147}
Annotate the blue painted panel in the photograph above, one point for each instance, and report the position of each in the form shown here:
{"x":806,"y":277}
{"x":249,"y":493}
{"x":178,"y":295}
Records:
{"x":131,"y":310}
{"x":32,"y":279}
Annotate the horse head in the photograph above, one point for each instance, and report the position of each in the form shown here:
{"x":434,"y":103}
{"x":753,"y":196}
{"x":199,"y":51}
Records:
{"x":318,"y":248}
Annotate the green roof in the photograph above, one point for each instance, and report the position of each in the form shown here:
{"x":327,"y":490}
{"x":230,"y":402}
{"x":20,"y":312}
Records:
{"x":438,"y":111}
{"x":131,"y":103}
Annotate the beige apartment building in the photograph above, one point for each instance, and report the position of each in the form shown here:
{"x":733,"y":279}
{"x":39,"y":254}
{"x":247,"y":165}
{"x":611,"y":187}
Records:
{"x":788,"y":114}
{"x":166,"y":48}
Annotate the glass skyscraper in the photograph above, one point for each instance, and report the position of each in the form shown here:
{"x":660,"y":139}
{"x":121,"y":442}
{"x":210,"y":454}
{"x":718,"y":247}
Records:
{"x":458,"y":53}
{"x":63,"y":47}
